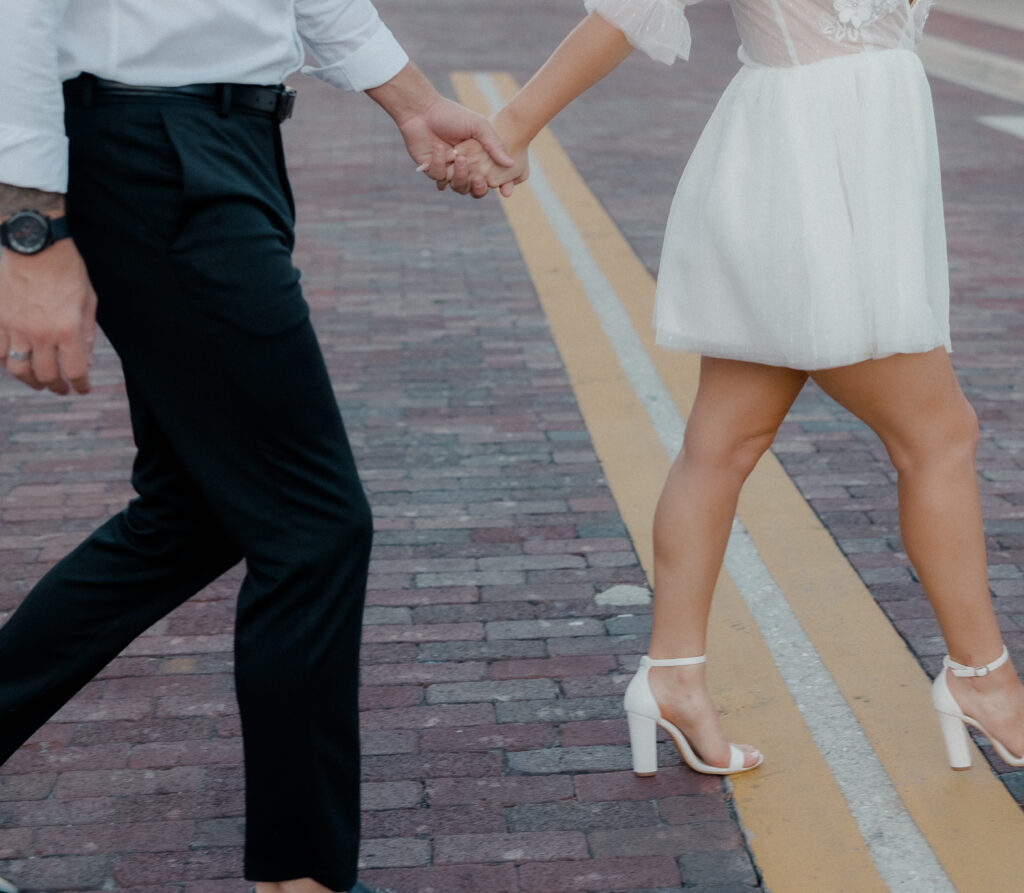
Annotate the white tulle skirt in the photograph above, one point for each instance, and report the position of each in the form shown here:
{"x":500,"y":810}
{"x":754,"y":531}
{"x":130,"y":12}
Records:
{"x":807,"y":230}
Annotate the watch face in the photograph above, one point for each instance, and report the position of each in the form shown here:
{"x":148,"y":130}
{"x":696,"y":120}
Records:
{"x":27,"y":232}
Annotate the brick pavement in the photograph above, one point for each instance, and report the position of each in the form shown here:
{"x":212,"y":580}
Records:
{"x":495,"y":755}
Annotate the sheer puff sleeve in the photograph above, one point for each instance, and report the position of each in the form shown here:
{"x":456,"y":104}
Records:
{"x":658,"y":27}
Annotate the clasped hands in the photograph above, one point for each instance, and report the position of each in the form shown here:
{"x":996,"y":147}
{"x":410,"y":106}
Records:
{"x":492,"y":157}
{"x":473,"y":170}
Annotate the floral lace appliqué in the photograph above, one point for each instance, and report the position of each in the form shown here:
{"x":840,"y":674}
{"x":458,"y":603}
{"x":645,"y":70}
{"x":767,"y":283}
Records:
{"x":852,"y":16}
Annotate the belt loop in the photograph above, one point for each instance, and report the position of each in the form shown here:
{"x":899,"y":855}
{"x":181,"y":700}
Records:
{"x":225,"y":100}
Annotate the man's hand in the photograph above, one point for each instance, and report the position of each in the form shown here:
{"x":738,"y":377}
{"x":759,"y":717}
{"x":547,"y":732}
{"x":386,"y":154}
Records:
{"x":47,"y":318}
{"x":432,"y":125}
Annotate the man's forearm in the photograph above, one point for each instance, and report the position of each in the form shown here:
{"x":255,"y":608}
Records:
{"x":407,"y":94}
{"x":17,"y":198}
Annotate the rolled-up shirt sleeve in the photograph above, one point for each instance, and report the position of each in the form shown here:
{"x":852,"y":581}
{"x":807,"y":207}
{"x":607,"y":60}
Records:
{"x":33,"y":146}
{"x":355,"y":49}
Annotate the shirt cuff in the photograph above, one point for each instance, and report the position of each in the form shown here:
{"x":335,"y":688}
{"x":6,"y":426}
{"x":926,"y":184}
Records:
{"x":374,"y":63}
{"x":33,"y":159}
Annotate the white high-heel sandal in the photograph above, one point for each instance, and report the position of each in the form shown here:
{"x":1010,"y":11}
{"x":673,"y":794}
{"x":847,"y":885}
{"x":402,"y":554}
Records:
{"x":644,"y":717}
{"x":954,"y":721}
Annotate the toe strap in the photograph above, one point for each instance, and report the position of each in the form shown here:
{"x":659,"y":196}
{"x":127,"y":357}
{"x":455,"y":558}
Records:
{"x":737,"y":758}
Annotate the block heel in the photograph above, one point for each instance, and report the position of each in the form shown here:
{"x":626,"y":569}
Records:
{"x":958,"y":741}
{"x":643,"y":742}
{"x":954,"y":721}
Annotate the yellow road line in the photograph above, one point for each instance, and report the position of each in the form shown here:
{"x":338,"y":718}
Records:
{"x":817,"y":849}
{"x":800,"y":827}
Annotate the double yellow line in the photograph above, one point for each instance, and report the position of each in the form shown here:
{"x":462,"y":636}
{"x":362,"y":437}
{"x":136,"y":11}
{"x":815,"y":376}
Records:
{"x":797,"y":820}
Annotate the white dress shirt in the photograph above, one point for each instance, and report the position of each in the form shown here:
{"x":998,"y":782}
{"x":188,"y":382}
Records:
{"x":161,"y":43}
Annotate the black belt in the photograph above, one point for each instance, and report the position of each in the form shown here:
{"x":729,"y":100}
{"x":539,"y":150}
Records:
{"x":274,"y":102}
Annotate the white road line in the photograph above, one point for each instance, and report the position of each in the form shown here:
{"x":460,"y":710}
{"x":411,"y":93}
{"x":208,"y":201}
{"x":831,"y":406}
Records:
{"x":1011,"y":124}
{"x":902,"y":856}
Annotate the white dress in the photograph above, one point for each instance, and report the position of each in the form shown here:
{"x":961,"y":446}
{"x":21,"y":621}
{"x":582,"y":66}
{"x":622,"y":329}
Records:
{"x":807,"y":230}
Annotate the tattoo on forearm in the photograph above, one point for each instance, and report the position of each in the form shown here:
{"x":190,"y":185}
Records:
{"x":15,"y":198}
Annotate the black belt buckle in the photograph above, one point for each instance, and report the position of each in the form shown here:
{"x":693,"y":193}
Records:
{"x":285,"y":104}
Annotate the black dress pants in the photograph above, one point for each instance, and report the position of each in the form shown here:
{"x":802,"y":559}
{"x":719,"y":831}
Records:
{"x":185,"y":220}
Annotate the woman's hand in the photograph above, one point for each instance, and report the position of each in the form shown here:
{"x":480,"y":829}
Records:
{"x":474,"y":168}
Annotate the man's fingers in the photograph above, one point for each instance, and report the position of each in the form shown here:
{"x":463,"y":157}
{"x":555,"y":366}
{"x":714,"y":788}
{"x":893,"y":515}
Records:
{"x":19,"y":364}
{"x":49,"y":319}
{"x":75,"y":357}
{"x":75,"y":366}
{"x":81,"y":385}
{"x":479,"y":187}
{"x":46,"y":370}
{"x":461,"y":181}
{"x":17,"y":358}
{"x":438,"y":169}
{"x":488,"y":137}
{"x":57,"y":368}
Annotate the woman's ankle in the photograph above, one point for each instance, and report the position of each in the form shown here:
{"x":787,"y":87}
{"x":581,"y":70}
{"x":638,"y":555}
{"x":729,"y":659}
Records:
{"x":300,"y":885}
{"x":680,"y":688}
{"x":1001,"y":680}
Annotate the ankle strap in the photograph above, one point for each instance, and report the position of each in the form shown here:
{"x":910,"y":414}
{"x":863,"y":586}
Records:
{"x":961,"y":670}
{"x":674,"y":661}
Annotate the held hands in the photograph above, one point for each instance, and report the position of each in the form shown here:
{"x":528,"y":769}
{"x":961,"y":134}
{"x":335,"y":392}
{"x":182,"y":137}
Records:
{"x":473,"y":163}
{"x":472,"y":168}
{"x":432,"y":126}
{"x":591,"y":51}
{"x":47,"y":318}
{"x":430,"y":139}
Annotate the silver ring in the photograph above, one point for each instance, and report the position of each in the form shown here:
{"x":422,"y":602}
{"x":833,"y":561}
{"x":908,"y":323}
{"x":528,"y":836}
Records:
{"x":18,"y":355}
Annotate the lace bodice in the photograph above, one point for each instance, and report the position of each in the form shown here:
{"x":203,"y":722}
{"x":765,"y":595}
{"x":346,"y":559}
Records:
{"x":775,"y":33}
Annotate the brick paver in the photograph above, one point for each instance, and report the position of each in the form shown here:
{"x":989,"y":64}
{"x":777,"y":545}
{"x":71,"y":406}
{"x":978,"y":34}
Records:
{"x":496,"y":758}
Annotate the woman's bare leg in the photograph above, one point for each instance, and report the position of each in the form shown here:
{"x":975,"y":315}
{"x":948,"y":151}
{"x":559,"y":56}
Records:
{"x":305,"y":885}
{"x":915,"y":405}
{"x":738,"y":409}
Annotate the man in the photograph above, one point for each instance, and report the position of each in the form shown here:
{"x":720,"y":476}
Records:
{"x":178,"y":210}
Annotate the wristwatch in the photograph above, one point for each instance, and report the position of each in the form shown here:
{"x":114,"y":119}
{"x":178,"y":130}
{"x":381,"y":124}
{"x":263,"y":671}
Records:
{"x":29,"y":232}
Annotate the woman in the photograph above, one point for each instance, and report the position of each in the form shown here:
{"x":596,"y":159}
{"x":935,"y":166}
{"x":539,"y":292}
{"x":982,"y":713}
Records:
{"x":806,"y":240}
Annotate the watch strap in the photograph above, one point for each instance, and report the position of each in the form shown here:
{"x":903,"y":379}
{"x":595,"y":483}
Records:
{"x":59,"y":228}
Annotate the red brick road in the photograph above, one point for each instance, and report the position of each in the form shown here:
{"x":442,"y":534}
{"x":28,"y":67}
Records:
{"x":496,"y":757}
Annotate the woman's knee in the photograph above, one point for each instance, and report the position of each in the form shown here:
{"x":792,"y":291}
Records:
{"x":949,"y":438}
{"x":730,"y":452}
